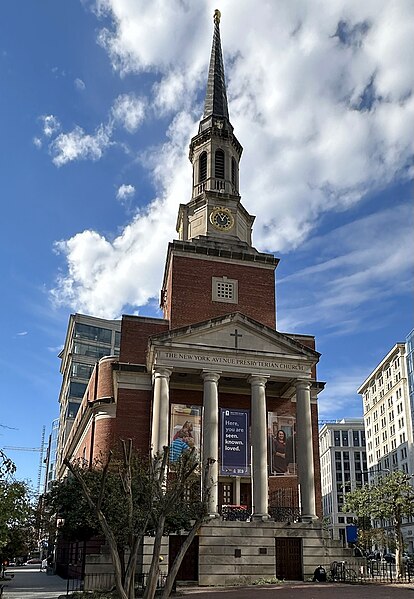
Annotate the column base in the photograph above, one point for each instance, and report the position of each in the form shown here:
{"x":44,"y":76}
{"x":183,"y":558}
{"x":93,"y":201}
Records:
{"x":308,"y":519}
{"x":260,"y":517}
{"x":214,"y":515}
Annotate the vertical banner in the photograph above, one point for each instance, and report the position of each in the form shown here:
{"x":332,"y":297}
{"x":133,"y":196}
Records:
{"x":282,"y":444}
{"x":185,"y":430}
{"x":234,"y":442}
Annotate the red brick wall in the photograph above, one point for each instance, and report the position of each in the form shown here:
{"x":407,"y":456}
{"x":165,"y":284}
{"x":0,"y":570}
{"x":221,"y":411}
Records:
{"x":188,"y":299}
{"x":133,"y":417}
{"x":105,"y":385}
{"x":134,"y":337}
{"x":104,"y":438}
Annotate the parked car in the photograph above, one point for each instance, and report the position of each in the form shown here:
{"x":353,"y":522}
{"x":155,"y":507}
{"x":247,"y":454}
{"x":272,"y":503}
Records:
{"x":374,"y":555}
{"x":389,"y":558}
{"x":34,"y":560}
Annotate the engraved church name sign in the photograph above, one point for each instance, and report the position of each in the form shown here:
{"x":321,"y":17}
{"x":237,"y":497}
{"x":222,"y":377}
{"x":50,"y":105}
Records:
{"x":169,"y":357}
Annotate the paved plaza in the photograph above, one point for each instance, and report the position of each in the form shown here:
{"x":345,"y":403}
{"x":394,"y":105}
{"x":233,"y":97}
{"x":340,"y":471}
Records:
{"x":30,"y":583}
{"x":306,"y":591}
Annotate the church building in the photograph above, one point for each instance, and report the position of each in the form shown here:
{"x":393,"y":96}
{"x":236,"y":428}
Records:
{"x":215,"y":373}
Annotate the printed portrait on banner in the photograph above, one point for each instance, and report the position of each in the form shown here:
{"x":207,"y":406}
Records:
{"x":185,"y":430}
{"x":281,"y":445}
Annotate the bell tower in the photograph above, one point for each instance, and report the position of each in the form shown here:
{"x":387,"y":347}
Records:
{"x":213,"y":269}
{"x":215,"y":209}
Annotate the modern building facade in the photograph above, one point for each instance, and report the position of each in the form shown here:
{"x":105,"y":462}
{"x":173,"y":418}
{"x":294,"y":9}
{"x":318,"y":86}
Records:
{"x":343,"y":469}
{"x":388,"y":420}
{"x":216,"y":367}
{"x":88,"y":339}
{"x":409,"y":348}
{"x":51,"y":455}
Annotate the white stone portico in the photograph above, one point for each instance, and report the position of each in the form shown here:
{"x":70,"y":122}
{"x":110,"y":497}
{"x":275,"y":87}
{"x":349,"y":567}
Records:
{"x":252,"y":356}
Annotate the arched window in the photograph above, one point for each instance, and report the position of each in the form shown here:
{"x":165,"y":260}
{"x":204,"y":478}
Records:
{"x":233,"y":172}
{"x":202,"y":167}
{"x":219,"y":164}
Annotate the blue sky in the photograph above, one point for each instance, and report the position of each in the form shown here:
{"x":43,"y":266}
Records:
{"x":99,"y":101}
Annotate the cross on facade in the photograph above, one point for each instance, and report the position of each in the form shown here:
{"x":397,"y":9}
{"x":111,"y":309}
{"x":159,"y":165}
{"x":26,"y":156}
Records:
{"x":236,"y":336}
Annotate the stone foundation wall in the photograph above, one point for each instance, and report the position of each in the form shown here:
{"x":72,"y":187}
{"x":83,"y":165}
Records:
{"x":240,"y":553}
{"x":232,"y":553}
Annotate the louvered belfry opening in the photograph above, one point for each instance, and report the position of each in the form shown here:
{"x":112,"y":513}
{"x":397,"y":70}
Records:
{"x":219,"y":164}
{"x":233,"y":172}
{"x":202,"y":173}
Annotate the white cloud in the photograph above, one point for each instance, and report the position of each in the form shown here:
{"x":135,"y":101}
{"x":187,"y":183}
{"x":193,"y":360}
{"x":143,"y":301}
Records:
{"x":51,"y":124}
{"x":125,"y":192}
{"x":323,"y":107}
{"x":353,"y":269}
{"x":340,"y":394}
{"x":37,"y":142}
{"x":79,"y":84}
{"x":78,"y":145}
{"x":22,"y":334}
{"x":129,"y":111}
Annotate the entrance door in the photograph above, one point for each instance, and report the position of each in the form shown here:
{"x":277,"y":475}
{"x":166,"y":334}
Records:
{"x":289,"y":559}
{"x":189,"y":566}
{"x":246,"y":495}
{"x":225,"y":492}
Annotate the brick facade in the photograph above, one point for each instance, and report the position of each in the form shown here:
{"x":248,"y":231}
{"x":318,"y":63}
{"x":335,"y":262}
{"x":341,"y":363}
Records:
{"x":135,"y":332}
{"x":188,"y":294}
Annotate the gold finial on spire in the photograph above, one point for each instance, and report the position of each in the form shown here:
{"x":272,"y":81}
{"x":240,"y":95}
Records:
{"x":217,"y":16}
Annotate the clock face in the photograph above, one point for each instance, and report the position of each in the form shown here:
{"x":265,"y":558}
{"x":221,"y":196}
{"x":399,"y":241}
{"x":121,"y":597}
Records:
{"x":222,"y":219}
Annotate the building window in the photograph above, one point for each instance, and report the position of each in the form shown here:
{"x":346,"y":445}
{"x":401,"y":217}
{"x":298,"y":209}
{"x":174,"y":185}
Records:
{"x":77,"y":389}
{"x":72,"y":409}
{"x":202,"y":167}
{"x":81,"y":371}
{"x":219,"y":164}
{"x":337,"y":438}
{"x":345,"y":438}
{"x":86,"y":331}
{"x":225,"y":290}
{"x":93,"y":351}
{"x":355,"y":438}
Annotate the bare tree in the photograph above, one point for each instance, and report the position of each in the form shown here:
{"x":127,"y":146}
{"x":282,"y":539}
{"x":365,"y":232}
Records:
{"x":155,"y":498}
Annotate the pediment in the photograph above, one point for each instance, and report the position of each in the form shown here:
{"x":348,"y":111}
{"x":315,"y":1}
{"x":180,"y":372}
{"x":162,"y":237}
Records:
{"x":236,"y":333}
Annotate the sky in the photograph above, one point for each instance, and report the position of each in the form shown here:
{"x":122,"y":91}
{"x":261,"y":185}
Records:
{"x":99,"y":100}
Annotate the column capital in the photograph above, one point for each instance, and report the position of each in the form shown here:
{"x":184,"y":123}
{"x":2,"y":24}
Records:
{"x":303,"y":384}
{"x":210,"y":376}
{"x":162,"y":372}
{"x":258,"y":380}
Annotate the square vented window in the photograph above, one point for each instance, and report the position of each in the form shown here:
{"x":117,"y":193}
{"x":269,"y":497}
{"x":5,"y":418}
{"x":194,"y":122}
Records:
{"x":225,"y":290}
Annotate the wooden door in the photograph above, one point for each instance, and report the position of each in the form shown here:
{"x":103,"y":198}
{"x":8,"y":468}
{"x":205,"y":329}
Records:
{"x":246,"y":495}
{"x":189,"y":566}
{"x":289,"y":558}
{"x":225,"y":492}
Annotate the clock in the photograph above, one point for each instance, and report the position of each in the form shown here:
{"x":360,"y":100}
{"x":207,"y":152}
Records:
{"x":222,"y":219}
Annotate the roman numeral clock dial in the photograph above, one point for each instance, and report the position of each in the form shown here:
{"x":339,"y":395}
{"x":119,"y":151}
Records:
{"x":222,"y":219}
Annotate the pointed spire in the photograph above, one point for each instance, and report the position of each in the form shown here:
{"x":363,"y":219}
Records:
{"x":216,"y":97}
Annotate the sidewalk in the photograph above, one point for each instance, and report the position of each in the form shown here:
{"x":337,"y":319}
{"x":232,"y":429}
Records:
{"x":30,"y":583}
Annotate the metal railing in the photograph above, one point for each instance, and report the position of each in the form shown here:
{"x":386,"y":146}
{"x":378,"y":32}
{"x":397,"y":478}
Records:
{"x":364,"y":570}
{"x":106,"y":582}
{"x":235,"y":512}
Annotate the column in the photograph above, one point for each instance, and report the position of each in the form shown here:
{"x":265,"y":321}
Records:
{"x":210,"y":437}
{"x":259,"y":447}
{"x":160,"y":409}
{"x":237,"y":494}
{"x":304,"y":451}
